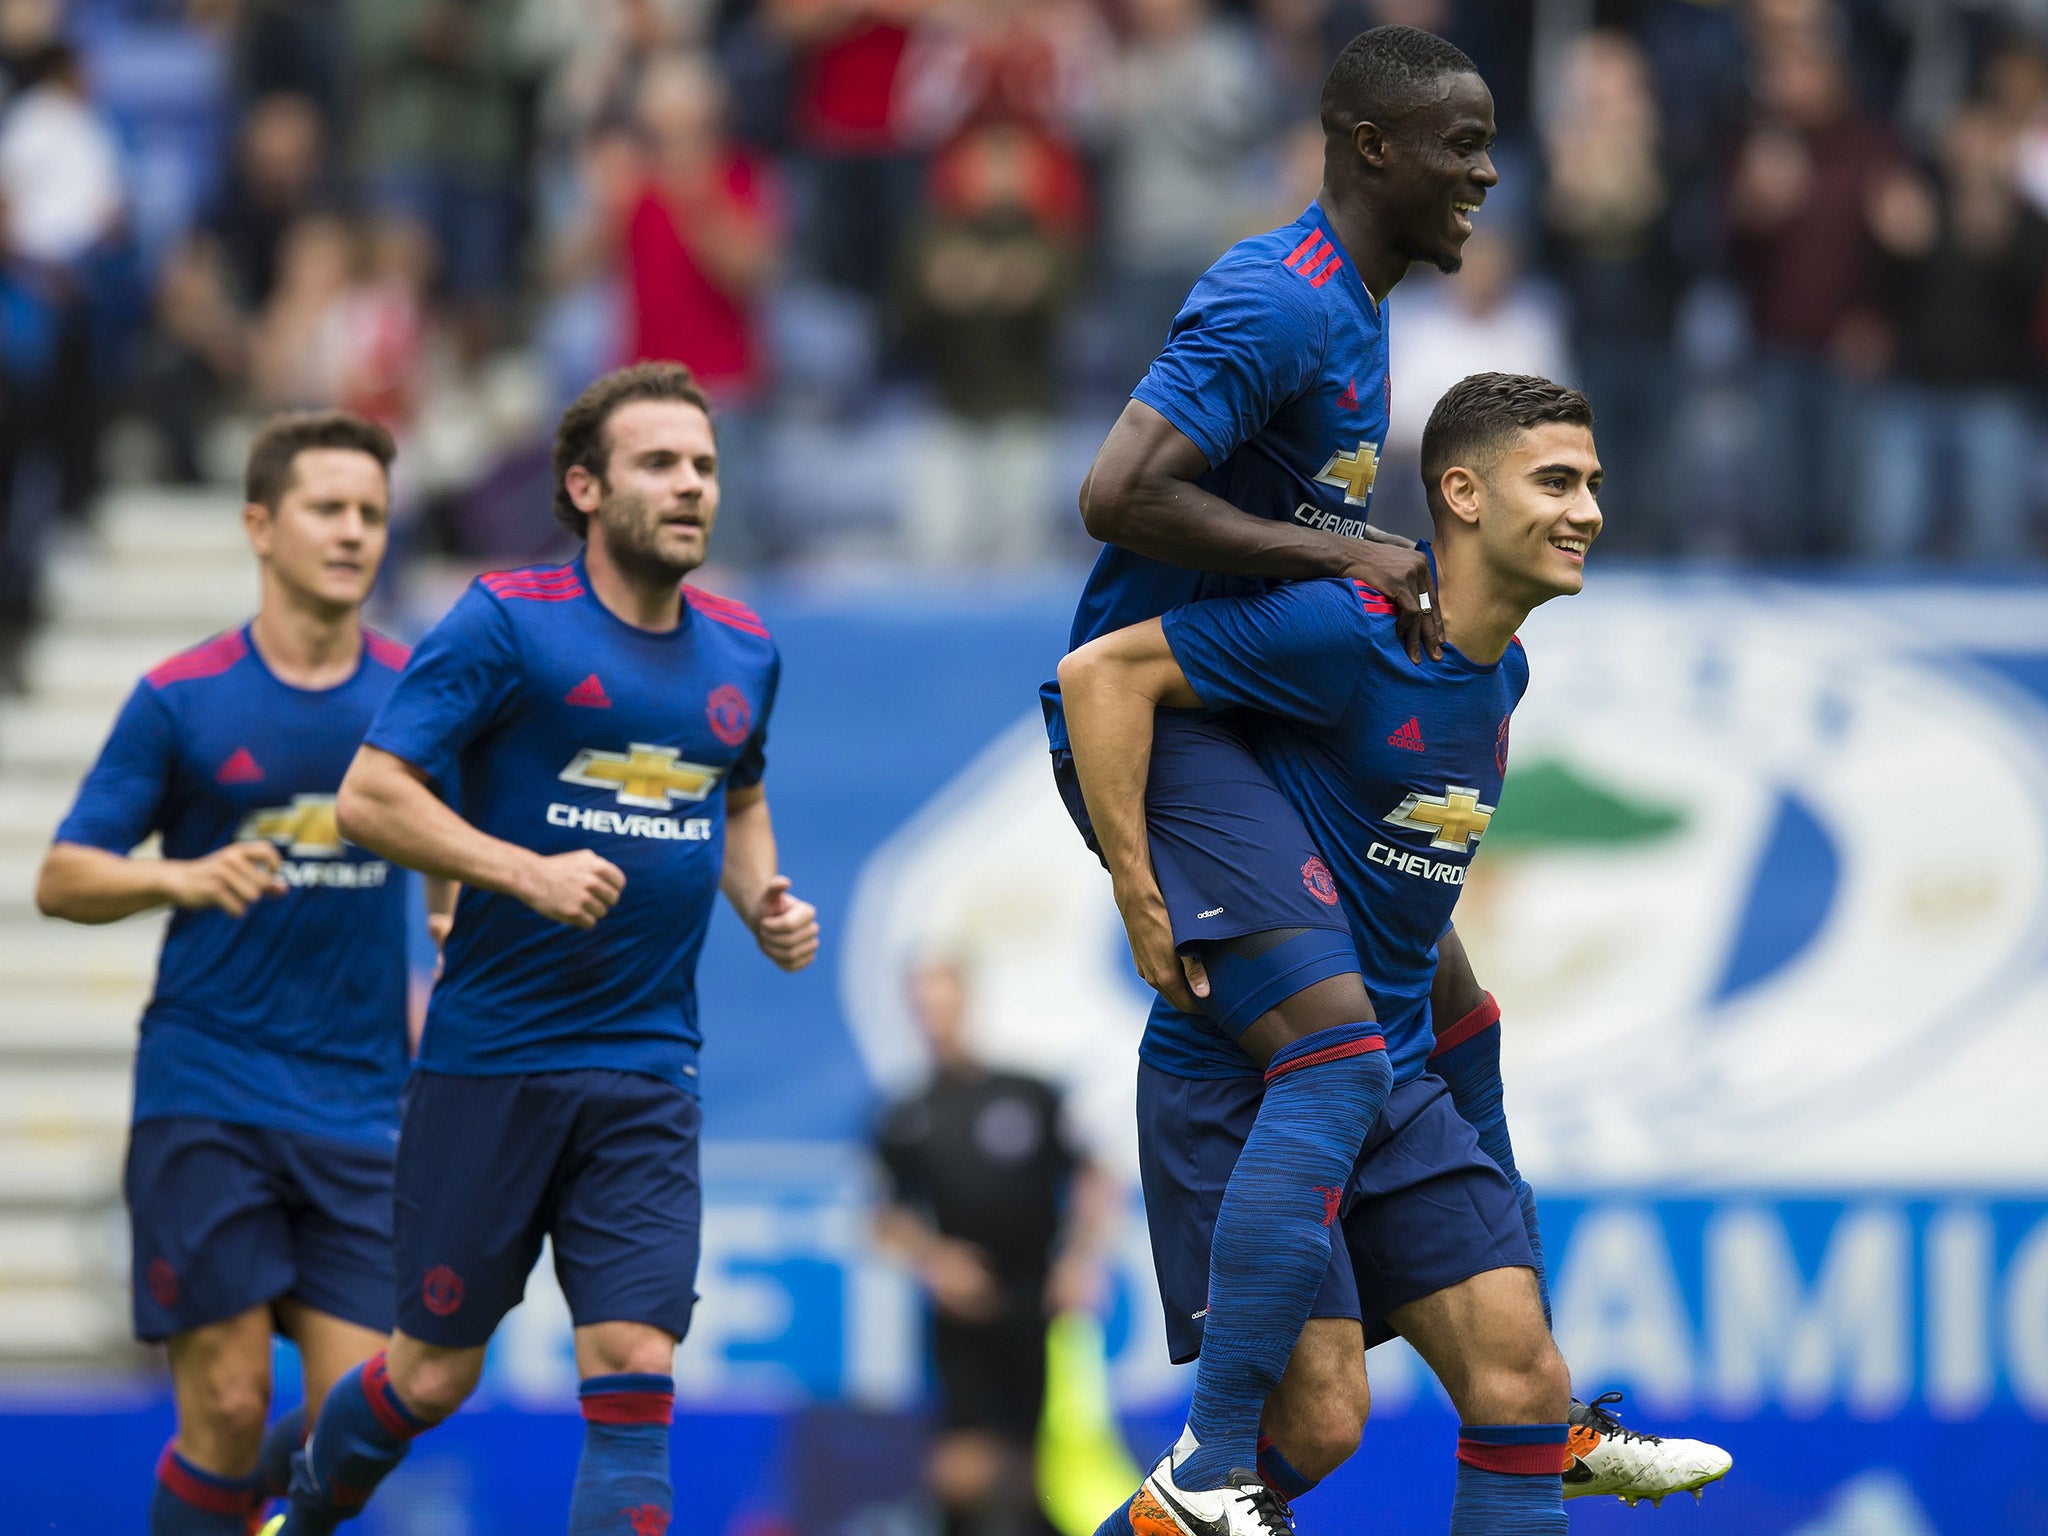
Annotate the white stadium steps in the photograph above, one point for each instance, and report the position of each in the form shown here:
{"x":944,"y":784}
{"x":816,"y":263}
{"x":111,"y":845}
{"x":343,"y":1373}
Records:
{"x":162,"y":571}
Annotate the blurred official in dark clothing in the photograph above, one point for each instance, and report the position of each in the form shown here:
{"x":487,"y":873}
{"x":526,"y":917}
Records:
{"x":1001,"y":1218}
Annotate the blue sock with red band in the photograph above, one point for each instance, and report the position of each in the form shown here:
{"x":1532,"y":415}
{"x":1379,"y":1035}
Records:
{"x":190,"y":1502}
{"x":1467,"y":1057}
{"x":1510,"y":1480}
{"x":1280,"y":1474}
{"x":1272,"y":1239}
{"x":281,"y":1442}
{"x":622,"y":1482}
{"x":363,"y":1432}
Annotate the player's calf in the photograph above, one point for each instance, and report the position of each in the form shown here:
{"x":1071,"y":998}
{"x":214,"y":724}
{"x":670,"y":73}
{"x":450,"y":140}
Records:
{"x":628,"y":1396}
{"x":206,"y":1481}
{"x":1487,"y":1342}
{"x":367,"y":1425}
{"x":1312,"y":1423}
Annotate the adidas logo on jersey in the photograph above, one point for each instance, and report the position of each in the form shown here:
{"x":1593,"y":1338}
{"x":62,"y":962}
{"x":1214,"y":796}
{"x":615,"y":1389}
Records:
{"x":588,"y":694}
{"x":1409,"y":737}
{"x":240,"y":768}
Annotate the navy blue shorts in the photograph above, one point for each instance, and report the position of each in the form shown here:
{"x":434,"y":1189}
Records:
{"x":1231,"y":855}
{"x":1424,"y":1209}
{"x":228,"y":1217}
{"x":602,"y":1163}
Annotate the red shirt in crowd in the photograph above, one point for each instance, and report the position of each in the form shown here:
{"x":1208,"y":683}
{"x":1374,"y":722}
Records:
{"x":681,"y":312}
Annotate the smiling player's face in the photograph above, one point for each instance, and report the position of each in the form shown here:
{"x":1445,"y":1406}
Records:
{"x":1542,"y":509}
{"x":660,"y":491}
{"x":1439,"y":171}
{"x":326,"y":538}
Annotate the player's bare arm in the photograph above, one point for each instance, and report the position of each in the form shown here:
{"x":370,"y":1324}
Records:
{"x":784,"y":926}
{"x":441,"y":896}
{"x":91,"y":885}
{"x":1141,"y":495}
{"x":387,"y":805}
{"x":1111,"y":686}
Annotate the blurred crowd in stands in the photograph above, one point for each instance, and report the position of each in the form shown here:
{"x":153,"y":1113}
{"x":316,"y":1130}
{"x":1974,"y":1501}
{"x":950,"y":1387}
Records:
{"x":919,"y":250}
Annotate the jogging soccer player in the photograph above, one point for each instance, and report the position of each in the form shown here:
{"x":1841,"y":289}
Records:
{"x":1248,"y":454}
{"x":1396,"y":769}
{"x":258,"y":1178}
{"x":602,"y":728}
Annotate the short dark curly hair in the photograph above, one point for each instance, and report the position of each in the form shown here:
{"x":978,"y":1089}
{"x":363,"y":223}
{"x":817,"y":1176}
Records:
{"x":1382,"y":72}
{"x":280,"y":440}
{"x":1480,"y":414}
{"x":582,"y":437}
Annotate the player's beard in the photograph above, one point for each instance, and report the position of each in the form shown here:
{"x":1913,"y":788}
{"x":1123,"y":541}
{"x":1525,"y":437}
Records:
{"x":631,"y":531}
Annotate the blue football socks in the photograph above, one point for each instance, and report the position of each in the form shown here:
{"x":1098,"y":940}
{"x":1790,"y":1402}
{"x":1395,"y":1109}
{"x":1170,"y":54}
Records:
{"x":1467,"y":1058}
{"x":1272,"y":1239}
{"x":281,"y":1442}
{"x":1280,"y":1474}
{"x":1510,"y":1480}
{"x":363,"y":1432}
{"x":622,"y":1482}
{"x":189,"y":1502}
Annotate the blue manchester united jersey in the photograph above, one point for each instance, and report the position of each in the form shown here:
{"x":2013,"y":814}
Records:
{"x":1395,"y":767}
{"x":1276,"y":368}
{"x":556,"y":725}
{"x":293,"y":1015}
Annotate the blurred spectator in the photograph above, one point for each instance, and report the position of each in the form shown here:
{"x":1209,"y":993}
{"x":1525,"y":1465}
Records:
{"x":439,"y":124}
{"x":1190,"y":106}
{"x":859,"y":175}
{"x":61,"y":207}
{"x":1607,"y":217}
{"x":1489,"y":318}
{"x":1805,"y":173}
{"x":988,"y":278}
{"x":703,"y":243}
{"x":1041,"y":64}
{"x":1965,"y":276}
{"x":216,"y":279}
{"x":346,"y":324}
{"x":1002,"y":1221}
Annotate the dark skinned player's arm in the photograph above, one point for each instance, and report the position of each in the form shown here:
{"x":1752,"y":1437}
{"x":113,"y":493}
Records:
{"x":1140,"y":494}
{"x":1111,"y":687}
{"x":1456,"y":990}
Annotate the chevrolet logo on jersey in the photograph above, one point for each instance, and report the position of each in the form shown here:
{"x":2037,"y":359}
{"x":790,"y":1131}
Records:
{"x":305,"y":829}
{"x":642,"y":775}
{"x":1355,"y":472}
{"x":1454,"y":819}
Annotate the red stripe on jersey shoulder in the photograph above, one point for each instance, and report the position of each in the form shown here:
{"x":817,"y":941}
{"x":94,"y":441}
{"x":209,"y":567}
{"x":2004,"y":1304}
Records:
{"x":725,"y":611}
{"x":535,"y":584}
{"x":1306,"y":254}
{"x":1373,"y":599}
{"x":207,"y":660}
{"x":385,"y":651}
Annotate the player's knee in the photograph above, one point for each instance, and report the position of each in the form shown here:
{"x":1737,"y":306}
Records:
{"x":611,"y":1349}
{"x":434,"y":1384}
{"x":1327,"y":1435}
{"x":231,"y":1405}
{"x":1534,"y":1386}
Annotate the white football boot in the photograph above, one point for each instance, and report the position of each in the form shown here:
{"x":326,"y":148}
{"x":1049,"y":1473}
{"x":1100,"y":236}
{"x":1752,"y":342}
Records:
{"x":1608,"y":1457}
{"x":1244,"y":1506}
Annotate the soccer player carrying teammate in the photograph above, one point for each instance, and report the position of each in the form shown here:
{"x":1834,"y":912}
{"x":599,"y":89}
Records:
{"x":273,"y":1047}
{"x":1396,"y":769}
{"x":1247,"y":452}
{"x":600,"y":729}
